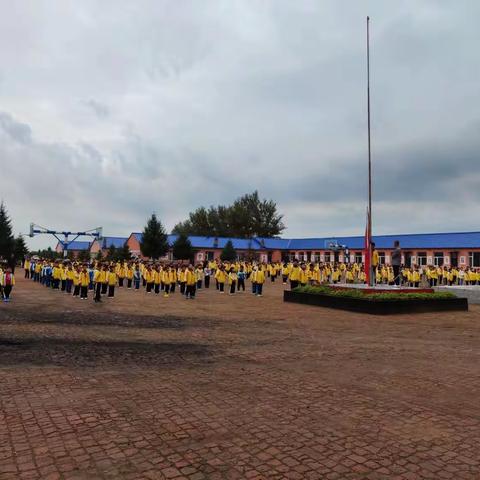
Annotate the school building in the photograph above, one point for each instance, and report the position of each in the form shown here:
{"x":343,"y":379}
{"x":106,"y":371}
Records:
{"x":459,"y":249}
{"x":454,"y":249}
{"x":93,"y":247}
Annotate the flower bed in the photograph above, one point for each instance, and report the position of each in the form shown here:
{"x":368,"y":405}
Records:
{"x":375,"y":303}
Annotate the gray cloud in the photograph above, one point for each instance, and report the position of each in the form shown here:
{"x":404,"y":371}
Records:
{"x":17,"y":131}
{"x":100,"y":109}
{"x":105,"y":119}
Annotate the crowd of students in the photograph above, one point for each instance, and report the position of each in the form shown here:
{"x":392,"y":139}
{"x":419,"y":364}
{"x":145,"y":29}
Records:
{"x":103,"y":278}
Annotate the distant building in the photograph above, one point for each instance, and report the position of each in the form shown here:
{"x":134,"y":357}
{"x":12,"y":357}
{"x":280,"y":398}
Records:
{"x":455,"y":249}
{"x":105,"y":243}
{"x":74,"y":248}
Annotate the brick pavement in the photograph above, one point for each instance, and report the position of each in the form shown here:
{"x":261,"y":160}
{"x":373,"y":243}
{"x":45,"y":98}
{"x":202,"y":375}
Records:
{"x":234,"y":388}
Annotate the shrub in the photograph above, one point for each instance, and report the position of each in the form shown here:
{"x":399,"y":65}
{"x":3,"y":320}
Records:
{"x":373,"y":297}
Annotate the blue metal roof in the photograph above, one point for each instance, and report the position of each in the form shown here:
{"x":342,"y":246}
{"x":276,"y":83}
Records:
{"x":117,"y":242}
{"x":407,"y":241}
{"x":138,"y":236}
{"x":413,"y":241}
{"x":272,"y":243}
{"x":79,"y":245}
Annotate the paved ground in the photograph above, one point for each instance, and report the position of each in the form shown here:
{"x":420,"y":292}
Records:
{"x":143,"y":387}
{"x":471,"y":292}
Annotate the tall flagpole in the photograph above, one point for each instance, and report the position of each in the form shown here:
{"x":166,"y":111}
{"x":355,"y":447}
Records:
{"x":369,"y":154}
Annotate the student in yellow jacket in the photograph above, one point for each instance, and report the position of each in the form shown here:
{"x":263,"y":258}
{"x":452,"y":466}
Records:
{"x":69,"y":274}
{"x":294,"y":275}
{"x":7,"y":282}
{"x":84,"y":279}
{"x":112,"y":281}
{"x":101,"y":284}
{"x":221,"y":277}
{"x":232,"y":279}
{"x":173,"y":279}
{"x":157,"y":278}
{"x":258,"y":279}
{"x":191,"y":283}
{"x":121,"y":273}
{"x":148,"y":276}
{"x":303,"y":276}
{"x":76,"y":281}
{"x":129,"y":276}
{"x":26,"y":266}
{"x":166,"y":281}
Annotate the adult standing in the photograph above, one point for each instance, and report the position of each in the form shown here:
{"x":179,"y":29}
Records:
{"x":396,"y":261}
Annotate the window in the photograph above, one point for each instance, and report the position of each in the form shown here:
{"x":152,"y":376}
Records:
{"x":327,"y":257}
{"x":381,"y":258}
{"x":438,"y":259}
{"x":422,"y":258}
{"x":358,"y":257}
{"x":317,"y":256}
{"x":474,"y":258}
{"x":209,"y":256}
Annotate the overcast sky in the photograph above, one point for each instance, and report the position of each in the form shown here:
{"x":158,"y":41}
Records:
{"x":110,"y":110}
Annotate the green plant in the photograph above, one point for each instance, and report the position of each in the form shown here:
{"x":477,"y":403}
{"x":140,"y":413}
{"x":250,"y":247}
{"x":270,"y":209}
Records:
{"x":373,"y":297}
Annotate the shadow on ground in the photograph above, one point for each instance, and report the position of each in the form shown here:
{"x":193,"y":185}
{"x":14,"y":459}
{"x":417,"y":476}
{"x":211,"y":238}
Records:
{"x":85,"y":353}
{"x":99,"y":319}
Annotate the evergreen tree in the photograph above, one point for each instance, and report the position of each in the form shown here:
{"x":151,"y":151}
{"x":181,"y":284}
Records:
{"x":84,"y":255}
{"x":7,"y":241}
{"x":99,"y":255}
{"x":229,"y":254}
{"x":182,"y":248}
{"x":47,"y":254}
{"x":154,"y":242}
{"x":124,"y":254}
{"x":21,"y":249}
{"x":112,"y":253}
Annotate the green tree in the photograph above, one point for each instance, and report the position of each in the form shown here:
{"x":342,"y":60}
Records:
{"x":47,"y":254}
{"x":182,"y":248}
{"x":112,"y":253}
{"x":124,"y":253}
{"x":84,"y":255}
{"x":21,"y":249}
{"x":247,"y":217}
{"x":154,"y":242}
{"x":7,"y":241}
{"x":229,"y":253}
{"x":99,"y":256}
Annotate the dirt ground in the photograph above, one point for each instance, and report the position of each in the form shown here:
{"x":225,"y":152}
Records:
{"x":146,"y":387}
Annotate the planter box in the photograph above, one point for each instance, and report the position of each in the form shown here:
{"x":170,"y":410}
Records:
{"x":382,"y":307}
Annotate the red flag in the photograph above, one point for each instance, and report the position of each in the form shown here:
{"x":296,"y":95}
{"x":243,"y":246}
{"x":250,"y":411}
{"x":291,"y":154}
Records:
{"x":367,"y":250}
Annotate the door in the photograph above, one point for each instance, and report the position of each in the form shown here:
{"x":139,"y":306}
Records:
{"x":454,"y":259}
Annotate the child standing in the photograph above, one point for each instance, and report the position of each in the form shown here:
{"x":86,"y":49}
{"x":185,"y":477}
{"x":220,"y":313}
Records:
{"x":232,"y":277}
{"x":241,"y":278}
{"x":112,"y":281}
{"x":84,"y":282}
{"x":220,"y":278}
{"x":7,"y":282}
{"x":191,"y":282}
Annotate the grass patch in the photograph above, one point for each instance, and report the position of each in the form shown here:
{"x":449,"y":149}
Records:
{"x":373,"y":297}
